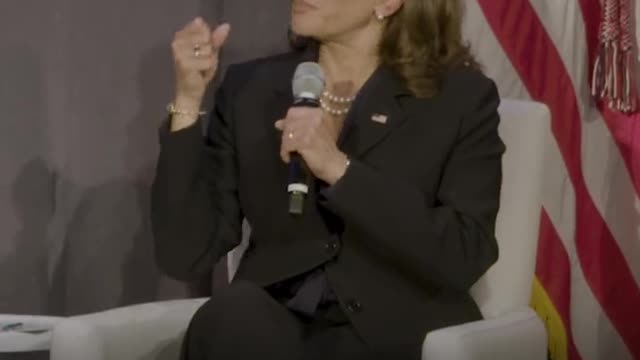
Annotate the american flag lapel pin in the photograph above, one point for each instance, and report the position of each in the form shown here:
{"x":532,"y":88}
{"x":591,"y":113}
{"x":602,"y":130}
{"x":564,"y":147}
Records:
{"x":380,"y":118}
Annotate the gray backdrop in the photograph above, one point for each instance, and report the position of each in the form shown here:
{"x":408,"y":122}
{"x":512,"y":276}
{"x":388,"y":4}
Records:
{"x":83,"y":86}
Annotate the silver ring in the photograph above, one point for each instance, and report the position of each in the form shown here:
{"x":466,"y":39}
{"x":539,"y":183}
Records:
{"x":290,"y":135}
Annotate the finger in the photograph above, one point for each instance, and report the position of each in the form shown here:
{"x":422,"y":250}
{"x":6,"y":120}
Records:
{"x":182,"y":53}
{"x":304,"y":120}
{"x":288,"y":144}
{"x":220,"y":35}
{"x":302,"y":129}
{"x":296,"y":113}
{"x":284,"y":151}
{"x":189,"y":43}
{"x":194,"y":53}
{"x":198,"y":25}
{"x":289,"y":128}
{"x":203,"y":50}
{"x":285,"y":156}
{"x":197,"y":29}
{"x":198,"y":64}
{"x":303,"y":112}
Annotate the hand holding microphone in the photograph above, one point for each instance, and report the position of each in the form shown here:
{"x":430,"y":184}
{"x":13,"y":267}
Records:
{"x":196,"y":56}
{"x":304,"y":131}
{"x":308,"y":139}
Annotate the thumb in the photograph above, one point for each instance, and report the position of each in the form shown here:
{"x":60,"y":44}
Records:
{"x":219,"y":35}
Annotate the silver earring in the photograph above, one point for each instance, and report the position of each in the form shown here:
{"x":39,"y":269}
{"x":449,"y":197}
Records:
{"x":379,"y":16}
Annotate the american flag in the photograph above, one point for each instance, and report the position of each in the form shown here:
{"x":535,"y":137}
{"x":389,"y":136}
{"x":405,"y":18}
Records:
{"x":588,"y":268}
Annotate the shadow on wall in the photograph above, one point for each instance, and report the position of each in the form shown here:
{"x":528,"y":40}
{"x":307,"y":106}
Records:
{"x":26,"y":183}
{"x":97,"y":243}
{"x":108,"y":258}
{"x":26,"y":268}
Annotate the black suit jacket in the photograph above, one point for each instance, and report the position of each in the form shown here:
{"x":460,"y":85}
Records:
{"x":418,"y":203}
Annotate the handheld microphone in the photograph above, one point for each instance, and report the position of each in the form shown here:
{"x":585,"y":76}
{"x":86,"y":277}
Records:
{"x":308,"y":85}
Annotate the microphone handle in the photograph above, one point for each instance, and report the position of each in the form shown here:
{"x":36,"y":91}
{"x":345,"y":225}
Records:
{"x":299,"y":174}
{"x":298,"y":188}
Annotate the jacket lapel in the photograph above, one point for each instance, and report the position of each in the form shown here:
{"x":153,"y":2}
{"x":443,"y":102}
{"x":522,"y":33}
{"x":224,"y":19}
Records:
{"x":375,"y":113}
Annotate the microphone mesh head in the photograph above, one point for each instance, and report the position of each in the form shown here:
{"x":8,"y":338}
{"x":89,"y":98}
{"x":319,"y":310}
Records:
{"x":308,"y":81}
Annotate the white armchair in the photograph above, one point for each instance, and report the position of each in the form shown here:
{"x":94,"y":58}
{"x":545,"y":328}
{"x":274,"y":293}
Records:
{"x":511,"y":329}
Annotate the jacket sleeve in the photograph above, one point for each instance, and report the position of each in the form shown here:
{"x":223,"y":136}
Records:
{"x":195,"y":210}
{"x":448,"y":244}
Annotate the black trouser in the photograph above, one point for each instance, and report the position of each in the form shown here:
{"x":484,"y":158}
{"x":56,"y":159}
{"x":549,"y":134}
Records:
{"x":243,"y":321}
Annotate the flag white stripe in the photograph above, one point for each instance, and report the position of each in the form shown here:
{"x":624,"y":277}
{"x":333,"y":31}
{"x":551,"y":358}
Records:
{"x":489,"y":52}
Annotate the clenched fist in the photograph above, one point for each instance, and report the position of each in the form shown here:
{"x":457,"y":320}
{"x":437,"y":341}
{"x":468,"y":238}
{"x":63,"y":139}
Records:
{"x":196,"y":52}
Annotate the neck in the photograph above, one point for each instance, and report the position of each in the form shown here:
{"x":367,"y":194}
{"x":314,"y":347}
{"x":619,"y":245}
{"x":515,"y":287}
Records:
{"x":348,"y":63}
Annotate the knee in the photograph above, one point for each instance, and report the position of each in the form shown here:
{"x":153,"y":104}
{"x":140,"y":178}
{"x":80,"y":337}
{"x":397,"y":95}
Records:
{"x":229,"y":306}
{"x":235,"y":323}
{"x":241,"y":294}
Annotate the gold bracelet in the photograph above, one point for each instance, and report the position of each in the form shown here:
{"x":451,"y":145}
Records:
{"x":171,"y":108}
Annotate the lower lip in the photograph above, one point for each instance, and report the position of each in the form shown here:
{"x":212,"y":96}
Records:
{"x":301,"y":7}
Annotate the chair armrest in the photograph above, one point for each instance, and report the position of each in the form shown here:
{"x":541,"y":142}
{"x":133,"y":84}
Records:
{"x":146,"y":331}
{"x":517,"y":335}
{"x":15,"y":341}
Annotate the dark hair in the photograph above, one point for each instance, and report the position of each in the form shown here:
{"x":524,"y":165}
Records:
{"x":421,"y":42}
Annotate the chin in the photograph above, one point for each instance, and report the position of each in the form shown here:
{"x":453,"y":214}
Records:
{"x":305,"y":25}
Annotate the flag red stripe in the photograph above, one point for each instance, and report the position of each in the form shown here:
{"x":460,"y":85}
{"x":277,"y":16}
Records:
{"x":540,"y":66}
{"x":624,"y":129}
{"x":554,"y":273}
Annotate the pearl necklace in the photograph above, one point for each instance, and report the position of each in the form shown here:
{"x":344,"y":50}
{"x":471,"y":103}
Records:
{"x":344,"y":102}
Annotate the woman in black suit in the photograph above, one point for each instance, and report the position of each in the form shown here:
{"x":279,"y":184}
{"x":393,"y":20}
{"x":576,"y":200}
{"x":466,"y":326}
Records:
{"x":399,"y":221}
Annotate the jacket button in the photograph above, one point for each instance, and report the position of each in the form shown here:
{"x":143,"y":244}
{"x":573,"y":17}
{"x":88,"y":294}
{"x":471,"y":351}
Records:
{"x":332,"y":246}
{"x":354,"y":307}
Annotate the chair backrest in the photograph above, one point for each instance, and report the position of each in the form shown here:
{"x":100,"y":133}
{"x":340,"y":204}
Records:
{"x":525,"y":130}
